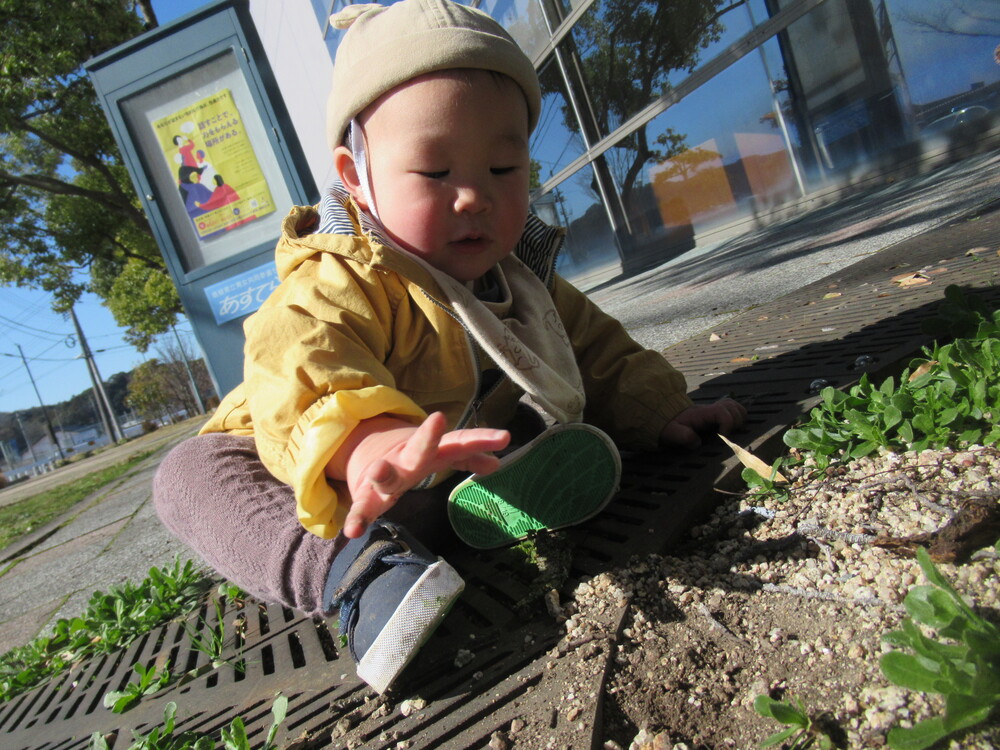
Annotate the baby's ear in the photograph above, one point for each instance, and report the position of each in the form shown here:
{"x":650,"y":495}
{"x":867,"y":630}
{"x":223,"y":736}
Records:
{"x":347,"y":171}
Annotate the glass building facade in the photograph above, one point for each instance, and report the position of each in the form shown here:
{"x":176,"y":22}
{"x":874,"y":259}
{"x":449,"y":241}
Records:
{"x":677,"y":124}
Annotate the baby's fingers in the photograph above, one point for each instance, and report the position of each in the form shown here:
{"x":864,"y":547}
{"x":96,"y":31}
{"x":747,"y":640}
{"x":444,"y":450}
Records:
{"x":421,"y":448}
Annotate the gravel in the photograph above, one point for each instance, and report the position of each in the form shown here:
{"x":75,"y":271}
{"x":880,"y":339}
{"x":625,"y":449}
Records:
{"x":790,"y":598}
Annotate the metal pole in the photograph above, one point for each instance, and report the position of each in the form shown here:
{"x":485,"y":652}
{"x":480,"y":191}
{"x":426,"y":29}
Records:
{"x":190,"y":374}
{"x":107,"y":413}
{"x":45,"y":412}
{"x":27,"y":442}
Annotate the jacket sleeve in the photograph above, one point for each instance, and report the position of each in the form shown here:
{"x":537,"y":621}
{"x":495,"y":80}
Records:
{"x":632,"y":392}
{"x":314,"y":370}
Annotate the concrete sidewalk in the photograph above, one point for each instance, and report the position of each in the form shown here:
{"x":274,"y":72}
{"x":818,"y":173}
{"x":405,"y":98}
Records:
{"x":115,"y":536}
{"x":111,"y":537}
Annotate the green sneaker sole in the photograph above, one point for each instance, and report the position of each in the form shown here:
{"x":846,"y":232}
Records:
{"x":561,"y":478}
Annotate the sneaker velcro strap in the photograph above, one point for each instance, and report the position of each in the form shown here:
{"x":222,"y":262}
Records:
{"x":364,"y":568}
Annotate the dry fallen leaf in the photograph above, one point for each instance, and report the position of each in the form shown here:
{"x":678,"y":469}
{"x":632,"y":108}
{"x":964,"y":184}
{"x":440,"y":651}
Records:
{"x":753,"y":463}
{"x":831,"y":295}
{"x":922,"y":370}
{"x":911,"y":279}
{"x":715,"y":337}
{"x":974,"y":250}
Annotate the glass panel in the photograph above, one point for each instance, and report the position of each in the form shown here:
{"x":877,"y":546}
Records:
{"x":630,"y":53}
{"x":565,"y":7}
{"x":844,"y":96}
{"x":208,"y":154}
{"x":523,"y":20}
{"x":717,"y":156}
{"x":556,"y":141}
{"x":590,"y":255}
{"x":945,"y":55}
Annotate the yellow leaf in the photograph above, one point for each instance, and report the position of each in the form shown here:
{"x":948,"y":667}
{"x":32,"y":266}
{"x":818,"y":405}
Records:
{"x":911,"y":279}
{"x":753,"y":463}
{"x":831,"y":295}
{"x":922,"y":370}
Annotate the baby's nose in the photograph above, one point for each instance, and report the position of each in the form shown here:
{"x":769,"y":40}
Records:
{"x":471,"y":198}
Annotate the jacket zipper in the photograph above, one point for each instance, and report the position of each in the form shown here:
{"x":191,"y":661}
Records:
{"x":475,"y":404}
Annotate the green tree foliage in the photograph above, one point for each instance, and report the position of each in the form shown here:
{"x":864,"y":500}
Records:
{"x":147,"y":395}
{"x":66,"y":202}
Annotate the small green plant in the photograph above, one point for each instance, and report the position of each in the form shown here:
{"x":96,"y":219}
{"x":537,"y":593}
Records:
{"x":948,"y":398}
{"x":150,"y":681}
{"x":965,"y":670}
{"x":234,"y":737}
{"x":210,"y":639}
{"x":771,"y":485}
{"x":160,"y":738}
{"x":111,"y":621}
{"x":801,"y":729}
{"x":232,"y":593}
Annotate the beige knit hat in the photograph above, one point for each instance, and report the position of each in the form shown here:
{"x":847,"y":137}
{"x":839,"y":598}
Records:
{"x":386,"y":46}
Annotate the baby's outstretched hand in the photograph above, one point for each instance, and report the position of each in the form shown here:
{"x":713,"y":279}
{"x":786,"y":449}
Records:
{"x":723,"y":416}
{"x":393,"y":456}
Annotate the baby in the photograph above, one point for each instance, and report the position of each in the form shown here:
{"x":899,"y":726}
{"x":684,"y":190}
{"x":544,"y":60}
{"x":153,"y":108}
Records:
{"x":418,"y":305}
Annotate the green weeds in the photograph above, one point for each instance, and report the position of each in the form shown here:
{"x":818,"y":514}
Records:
{"x":801,"y":730}
{"x":234,"y":737}
{"x":112,"y":620}
{"x":150,"y":681}
{"x":964,"y":668}
{"x":948,"y":398}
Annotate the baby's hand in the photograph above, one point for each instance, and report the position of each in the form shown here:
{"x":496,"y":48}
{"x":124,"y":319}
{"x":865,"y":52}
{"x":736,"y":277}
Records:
{"x":723,"y":416}
{"x":397,"y":456}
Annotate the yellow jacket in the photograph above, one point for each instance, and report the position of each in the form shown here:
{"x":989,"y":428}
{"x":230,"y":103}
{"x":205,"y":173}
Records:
{"x":356,"y":329}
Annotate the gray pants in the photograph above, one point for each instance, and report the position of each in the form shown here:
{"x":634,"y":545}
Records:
{"x":215,"y":495}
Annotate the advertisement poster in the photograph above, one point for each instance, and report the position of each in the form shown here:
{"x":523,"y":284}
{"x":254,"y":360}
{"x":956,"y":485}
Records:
{"x":218,"y":177}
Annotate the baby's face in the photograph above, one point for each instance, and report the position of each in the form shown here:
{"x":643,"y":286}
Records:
{"x":448,"y":157}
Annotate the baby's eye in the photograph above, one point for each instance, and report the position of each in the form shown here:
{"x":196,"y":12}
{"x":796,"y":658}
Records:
{"x":435,"y":175}
{"x":501,"y":170}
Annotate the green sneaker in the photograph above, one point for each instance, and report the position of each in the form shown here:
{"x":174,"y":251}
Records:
{"x":566,"y":475}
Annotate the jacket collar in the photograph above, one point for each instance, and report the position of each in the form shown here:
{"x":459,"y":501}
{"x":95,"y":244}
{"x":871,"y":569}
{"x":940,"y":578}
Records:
{"x":538,"y":248}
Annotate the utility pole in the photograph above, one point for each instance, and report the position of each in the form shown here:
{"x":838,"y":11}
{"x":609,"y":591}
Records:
{"x":190,"y":374}
{"x":108,"y":418}
{"x":27,"y":442}
{"x":45,"y":412}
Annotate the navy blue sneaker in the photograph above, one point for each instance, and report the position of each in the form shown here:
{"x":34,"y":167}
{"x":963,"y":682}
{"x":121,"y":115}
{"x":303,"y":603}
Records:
{"x":392,"y":594}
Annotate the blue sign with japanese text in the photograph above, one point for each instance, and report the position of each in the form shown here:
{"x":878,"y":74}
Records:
{"x":241,"y":294}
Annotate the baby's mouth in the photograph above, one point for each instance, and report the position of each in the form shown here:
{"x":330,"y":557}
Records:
{"x":471,"y":243}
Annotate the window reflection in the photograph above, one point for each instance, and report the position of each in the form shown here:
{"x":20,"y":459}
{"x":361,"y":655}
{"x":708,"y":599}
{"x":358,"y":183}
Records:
{"x":945,"y":60}
{"x":556,"y":141}
{"x":523,"y":20}
{"x":590,"y":255}
{"x":630,"y":53}
{"x":718,"y":156}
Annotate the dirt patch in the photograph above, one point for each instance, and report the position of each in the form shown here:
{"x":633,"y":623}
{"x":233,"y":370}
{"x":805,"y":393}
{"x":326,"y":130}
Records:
{"x":788,"y":599}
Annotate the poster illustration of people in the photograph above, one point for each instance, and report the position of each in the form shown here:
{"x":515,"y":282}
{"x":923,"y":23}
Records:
{"x":219,"y":179}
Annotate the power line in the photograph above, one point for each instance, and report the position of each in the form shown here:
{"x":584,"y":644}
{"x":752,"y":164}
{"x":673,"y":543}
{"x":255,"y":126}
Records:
{"x":25,"y":327}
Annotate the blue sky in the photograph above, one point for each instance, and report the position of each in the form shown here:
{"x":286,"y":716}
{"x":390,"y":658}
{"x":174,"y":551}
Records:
{"x":27,"y":319}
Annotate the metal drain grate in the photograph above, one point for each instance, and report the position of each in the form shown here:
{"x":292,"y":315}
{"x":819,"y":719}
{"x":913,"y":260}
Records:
{"x":768,"y":358}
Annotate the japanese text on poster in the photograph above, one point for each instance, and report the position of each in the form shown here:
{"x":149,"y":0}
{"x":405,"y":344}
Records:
{"x":219,"y":179}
